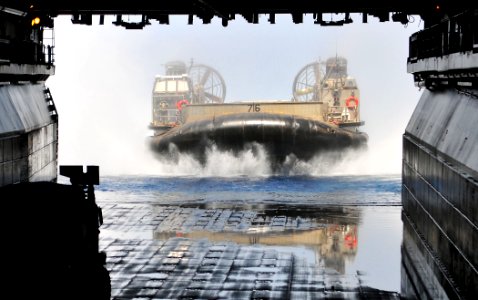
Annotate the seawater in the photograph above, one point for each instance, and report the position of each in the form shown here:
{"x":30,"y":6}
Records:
{"x":357,"y":190}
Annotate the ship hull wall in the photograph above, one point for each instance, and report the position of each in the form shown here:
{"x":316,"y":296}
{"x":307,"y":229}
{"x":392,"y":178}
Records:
{"x":439,"y":197}
{"x":28,"y":135}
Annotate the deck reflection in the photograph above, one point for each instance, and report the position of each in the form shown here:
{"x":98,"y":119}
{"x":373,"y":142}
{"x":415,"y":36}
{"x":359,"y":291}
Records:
{"x":331,"y":233}
{"x":242,"y":251}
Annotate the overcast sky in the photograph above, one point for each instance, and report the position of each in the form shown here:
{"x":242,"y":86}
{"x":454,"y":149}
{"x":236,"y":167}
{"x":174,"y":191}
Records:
{"x":104,"y":77}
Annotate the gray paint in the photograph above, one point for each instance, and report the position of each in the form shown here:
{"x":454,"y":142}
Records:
{"x":419,"y":278}
{"x":440,"y":190}
{"x":28,"y":135}
{"x":452,"y":62}
{"x":446,"y":121}
{"x":30,"y":157}
{"x":22,"y":109}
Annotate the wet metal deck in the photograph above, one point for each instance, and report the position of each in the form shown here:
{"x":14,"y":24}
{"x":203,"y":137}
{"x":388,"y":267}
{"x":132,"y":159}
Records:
{"x":171,"y":252}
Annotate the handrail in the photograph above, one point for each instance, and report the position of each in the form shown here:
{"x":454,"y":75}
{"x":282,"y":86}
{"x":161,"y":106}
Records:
{"x":453,"y":35}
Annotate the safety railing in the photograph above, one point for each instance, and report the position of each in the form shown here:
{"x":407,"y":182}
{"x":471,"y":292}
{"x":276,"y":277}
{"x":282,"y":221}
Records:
{"x":26,"y":51}
{"x":453,"y":35}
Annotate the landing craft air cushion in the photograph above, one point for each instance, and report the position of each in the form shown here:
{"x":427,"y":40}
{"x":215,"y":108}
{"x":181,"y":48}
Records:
{"x":190,"y":116}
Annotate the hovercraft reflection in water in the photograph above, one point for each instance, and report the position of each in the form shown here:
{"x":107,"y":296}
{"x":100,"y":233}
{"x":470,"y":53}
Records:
{"x":323,"y":115}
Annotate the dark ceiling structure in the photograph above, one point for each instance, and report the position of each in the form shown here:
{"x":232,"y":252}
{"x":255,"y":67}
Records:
{"x":160,"y":11}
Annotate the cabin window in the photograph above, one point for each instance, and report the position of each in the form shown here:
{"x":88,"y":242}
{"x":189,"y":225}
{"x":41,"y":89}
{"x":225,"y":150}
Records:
{"x":183,"y":86}
{"x":160,"y":87}
{"x":171,"y":85}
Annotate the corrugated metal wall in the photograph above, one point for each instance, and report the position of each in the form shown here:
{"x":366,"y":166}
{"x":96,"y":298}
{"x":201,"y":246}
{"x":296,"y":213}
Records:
{"x":440,"y":189}
{"x":28,"y":135}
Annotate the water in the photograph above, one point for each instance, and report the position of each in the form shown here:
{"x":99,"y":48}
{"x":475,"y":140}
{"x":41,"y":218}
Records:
{"x":346,"y":226}
{"x":358,"y":190}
